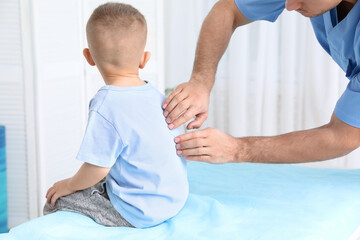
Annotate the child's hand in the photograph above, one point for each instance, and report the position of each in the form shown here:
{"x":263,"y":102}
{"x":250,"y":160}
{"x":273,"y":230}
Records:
{"x":59,"y":189}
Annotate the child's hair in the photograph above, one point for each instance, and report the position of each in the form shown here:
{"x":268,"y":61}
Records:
{"x":116,"y":15}
{"x":116,"y":34}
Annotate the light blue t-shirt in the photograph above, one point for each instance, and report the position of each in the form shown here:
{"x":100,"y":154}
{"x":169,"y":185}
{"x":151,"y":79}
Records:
{"x":339,"y":39}
{"x":127,"y":132}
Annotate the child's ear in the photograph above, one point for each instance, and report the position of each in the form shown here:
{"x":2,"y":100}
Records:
{"x":88,"y":56}
{"x":144,"y":59}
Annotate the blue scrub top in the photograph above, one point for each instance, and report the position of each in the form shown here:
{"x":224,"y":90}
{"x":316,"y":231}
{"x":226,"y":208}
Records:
{"x":339,"y":39}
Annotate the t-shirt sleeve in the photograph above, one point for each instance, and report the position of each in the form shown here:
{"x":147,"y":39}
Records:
{"x":102,"y":144}
{"x":347,"y":108}
{"x":254,"y":10}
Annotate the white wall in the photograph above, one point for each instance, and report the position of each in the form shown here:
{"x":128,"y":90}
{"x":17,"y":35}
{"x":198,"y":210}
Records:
{"x":59,"y":87}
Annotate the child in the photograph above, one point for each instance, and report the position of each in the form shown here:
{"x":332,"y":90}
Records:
{"x":126,"y":139}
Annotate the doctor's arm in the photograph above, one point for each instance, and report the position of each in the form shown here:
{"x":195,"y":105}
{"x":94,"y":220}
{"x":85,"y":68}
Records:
{"x":192,"y":98}
{"x":332,"y":140}
{"x":87,"y":176}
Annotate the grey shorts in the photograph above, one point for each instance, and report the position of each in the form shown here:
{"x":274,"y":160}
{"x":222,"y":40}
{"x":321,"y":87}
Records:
{"x":93,"y":202}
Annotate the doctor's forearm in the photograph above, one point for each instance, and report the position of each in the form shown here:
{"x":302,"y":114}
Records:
{"x":214,"y":38}
{"x":303,"y":146}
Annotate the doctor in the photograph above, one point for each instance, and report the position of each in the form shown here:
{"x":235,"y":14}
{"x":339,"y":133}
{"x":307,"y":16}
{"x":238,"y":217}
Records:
{"x":337,"y":27}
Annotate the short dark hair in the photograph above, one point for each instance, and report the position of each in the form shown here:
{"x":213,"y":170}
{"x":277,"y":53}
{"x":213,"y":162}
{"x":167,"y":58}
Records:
{"x":113,"y":14}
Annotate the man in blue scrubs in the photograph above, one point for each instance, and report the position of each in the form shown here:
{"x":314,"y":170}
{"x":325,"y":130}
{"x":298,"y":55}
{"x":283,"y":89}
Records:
{"x":337,"y":28}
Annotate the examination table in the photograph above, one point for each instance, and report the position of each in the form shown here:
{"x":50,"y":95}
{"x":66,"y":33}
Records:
{"x":235,"y":201}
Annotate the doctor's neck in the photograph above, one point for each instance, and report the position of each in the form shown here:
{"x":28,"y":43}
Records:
{"x":344,"y":8}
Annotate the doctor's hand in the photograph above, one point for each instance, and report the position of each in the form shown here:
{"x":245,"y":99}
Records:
{"x":59,"y":189}
{"x":208,"y":145}
{"x":186,"y":101}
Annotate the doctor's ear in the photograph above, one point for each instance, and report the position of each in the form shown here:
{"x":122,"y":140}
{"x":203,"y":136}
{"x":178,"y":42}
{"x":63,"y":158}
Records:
{"x":144,"y":59}
{"x":88,"y":56}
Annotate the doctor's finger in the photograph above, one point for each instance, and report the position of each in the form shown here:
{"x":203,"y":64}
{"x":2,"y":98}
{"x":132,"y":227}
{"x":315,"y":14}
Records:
{"x":177,"y":90}
{"x":178,"y":98}
{"x":180,"y":108}
{"x":193,"y":143}
{"x":186,"y":116}
{"x":194,"y":151}
{"x":198,"y":121}
{"x":172,"y":97}
{"x":192,"y":135}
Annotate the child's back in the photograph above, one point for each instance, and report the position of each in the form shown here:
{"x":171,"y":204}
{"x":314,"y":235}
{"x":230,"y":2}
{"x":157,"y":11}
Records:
{"x":147,"y":182}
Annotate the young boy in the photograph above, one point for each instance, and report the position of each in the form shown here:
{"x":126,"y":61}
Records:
{"x":127,"y":139}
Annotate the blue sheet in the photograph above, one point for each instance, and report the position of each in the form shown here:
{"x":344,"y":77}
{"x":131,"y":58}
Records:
{"x":235,"y":201}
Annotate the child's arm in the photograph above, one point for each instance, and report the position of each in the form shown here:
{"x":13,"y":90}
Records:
{"x":87,"y":176}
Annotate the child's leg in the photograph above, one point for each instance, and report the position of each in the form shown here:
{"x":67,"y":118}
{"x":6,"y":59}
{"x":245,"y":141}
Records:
{"x":93,"y":202}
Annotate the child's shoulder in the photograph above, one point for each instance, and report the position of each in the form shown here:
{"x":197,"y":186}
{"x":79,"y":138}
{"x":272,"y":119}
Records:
{"x":110,"y":98}
{"x":98,"y":100}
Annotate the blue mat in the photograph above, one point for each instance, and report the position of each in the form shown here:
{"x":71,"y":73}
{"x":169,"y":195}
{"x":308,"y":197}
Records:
{"x":235,"y":201}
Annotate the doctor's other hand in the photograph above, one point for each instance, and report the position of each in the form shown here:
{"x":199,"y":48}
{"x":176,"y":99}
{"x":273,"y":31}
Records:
{"x":186,"y":101}
{"x":59,"y":189}
{"x":209,"y":145}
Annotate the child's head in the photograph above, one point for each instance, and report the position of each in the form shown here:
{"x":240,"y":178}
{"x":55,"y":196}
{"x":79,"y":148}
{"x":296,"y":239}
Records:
{"x":116,"y":35}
